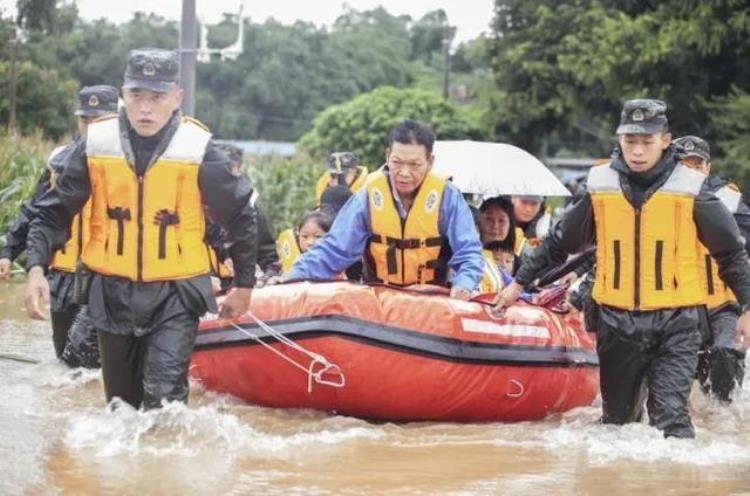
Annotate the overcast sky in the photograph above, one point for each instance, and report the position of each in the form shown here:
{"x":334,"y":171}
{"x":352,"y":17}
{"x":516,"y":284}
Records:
{"x":472,"y":17}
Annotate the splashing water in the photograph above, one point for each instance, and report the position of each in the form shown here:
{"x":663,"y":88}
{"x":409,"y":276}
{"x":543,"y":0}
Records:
{"x":59,"y":437}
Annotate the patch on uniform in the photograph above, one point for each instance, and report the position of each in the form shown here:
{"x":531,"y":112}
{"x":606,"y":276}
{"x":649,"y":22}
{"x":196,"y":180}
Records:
{"x":638,"y":115}
{"x":689,"y":146}
{"x":431,"y":202}
{"x":377,"y":199}
{"x":94,"y":101}
{"x":52,"y":178}
{"x":286,"y":249}
{"x":149,"y":69}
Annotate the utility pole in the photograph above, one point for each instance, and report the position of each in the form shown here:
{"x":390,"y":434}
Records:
{"x":12,"y":85}
{"x":447,"y":38}
{"x":188,"y":55}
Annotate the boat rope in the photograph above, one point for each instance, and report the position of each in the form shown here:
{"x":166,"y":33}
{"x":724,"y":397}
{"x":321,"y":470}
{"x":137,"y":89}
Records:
{"x":17,"y":358}
{"x":317,"y":361}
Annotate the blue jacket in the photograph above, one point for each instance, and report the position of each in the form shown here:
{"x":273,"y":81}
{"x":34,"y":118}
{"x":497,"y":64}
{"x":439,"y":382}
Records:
{"x":347,"y":240}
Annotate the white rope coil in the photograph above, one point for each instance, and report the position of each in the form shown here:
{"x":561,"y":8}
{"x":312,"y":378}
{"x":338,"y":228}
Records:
{"x":319,"y":365}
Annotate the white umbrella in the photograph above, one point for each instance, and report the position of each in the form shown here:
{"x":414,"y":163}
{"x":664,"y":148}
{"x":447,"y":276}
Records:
{"x":491,"y":169}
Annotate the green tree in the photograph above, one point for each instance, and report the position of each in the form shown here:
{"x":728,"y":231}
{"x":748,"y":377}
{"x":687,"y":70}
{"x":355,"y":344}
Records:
{"x":562,"y":73}
{"x":428,"y":35}
{"x":44,"y":100}
{"x":362,"y":124}
{"x":730,"y":117}
{"x":106,"y":63}
{"x":287,"y":187}
{"x":288,"y":74}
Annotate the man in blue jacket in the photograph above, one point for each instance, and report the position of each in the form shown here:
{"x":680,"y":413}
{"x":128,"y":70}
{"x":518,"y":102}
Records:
{"x":410,"y":225}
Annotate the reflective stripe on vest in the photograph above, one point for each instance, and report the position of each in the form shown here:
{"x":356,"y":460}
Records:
{"x":288,"y":250}
{"x":148,"y":228}
{"x":324,"y":182}
{"x":405,"y":252}
{"x":717,"y":291}
{"x":645,"y":258}
{"x":492,"y":280}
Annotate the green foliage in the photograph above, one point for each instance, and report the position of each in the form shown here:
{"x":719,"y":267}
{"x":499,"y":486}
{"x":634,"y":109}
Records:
{"x":106,"y":63}
{"x":730,"y":116}
{"x":45,"y":99}
{"x":288,"y":74}
{"x":362,"y":124}
{"x":287,"y":187}
{"x":563,"y":72}
{"x":22,"y":161}
{"x":46,"y":16}
{"x":428,"y":35}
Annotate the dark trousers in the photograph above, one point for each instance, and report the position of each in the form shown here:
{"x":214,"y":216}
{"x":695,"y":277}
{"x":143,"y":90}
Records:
{"x":721,"y":367}
{"x":647,"y":357}
{"x":81,"y":349}
{"x":61,"y":322}
{"x":147,"y":370}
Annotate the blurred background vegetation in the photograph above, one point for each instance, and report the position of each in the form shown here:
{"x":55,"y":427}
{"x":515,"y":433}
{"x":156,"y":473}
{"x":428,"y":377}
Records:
{"x":548,"y":76}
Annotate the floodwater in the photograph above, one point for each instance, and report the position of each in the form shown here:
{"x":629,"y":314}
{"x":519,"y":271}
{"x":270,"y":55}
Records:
{"x":57,"y":437}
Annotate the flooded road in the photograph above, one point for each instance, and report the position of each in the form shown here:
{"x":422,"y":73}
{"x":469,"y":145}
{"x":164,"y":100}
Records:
{"x":57,"y":437}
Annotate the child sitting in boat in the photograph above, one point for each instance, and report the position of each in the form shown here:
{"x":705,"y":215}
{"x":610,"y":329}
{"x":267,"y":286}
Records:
{"x":291,"y":244}
{"x":312,"y":227}
{"x":503,"y":255}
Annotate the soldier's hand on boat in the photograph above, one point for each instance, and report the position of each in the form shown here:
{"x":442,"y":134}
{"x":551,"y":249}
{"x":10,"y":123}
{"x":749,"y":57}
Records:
{"x":273,"y":280}
{"x":5,"y":265}
{"x":567,"y":279}
{"x":506,"y":298}
{"x":460,"y":293}
{"x":236,"y":304}
{"x":743,"y":331}
{"x":37,"y":294}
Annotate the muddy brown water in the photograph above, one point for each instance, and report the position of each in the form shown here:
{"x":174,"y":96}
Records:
{"x":57,"y":437}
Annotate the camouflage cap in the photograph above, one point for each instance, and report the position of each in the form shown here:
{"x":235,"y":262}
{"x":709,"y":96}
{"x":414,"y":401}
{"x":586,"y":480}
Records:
{"x":338,"y":161}
{"x":152,"y":69}
{"x":97,"y":100}
{"x":234,"y":152}
{"x":333,"y":198}
{"x":643,"y":116}
{"x":694,"y":146}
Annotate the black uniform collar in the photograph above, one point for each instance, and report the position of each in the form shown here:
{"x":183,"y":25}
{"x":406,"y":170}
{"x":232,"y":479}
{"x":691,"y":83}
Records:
{"x":665,"y":165}
{"x":135,"y":146}
{"x":715,"y":183}
{"x":639,"y":186}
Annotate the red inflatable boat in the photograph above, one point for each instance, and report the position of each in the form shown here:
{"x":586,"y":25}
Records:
{"x":383,"y":353}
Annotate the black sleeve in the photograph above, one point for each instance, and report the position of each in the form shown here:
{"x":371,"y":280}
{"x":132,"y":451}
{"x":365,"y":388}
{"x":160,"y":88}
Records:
{"x":227,"y":197}
{"x":267,"y":253}
{"x":573,"y":233}
{"x":718,"y":231}
{"x":55,"y":209}
{"x":578,"y":297}
{"x":587,"y":265}
{"x":215,"y":239}
{"x":18,"y":229}
{"x":742,"y":217}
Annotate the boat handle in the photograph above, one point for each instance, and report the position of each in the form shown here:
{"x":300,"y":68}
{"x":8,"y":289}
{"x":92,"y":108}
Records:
{"x":519,"y":388}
